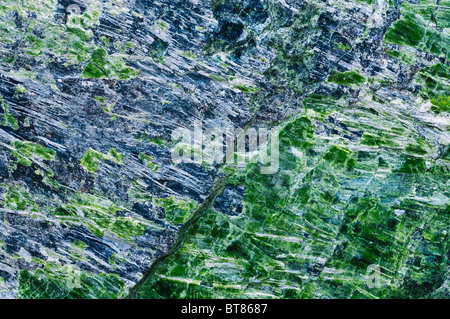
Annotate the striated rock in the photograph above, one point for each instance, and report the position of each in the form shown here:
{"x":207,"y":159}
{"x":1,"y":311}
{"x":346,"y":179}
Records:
{"x":93,"y":205}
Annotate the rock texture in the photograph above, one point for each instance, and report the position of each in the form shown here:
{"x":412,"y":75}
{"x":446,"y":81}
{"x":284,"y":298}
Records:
{"x":92,"y":205}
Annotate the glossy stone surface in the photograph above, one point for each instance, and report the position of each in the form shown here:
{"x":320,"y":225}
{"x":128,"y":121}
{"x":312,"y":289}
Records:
{"x":88,"y":188}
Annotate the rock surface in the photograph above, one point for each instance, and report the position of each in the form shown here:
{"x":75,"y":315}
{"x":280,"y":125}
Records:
{"x":93,"y":206}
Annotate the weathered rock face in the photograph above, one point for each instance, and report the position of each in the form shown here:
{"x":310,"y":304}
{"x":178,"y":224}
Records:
{"x":91,"y":92}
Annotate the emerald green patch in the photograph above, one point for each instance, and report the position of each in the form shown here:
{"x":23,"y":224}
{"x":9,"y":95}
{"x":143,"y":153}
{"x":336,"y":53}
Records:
{"x":101,"y":65}
{"x":8,"y":119}
{"x":92,"y":157}
{"x":409,"y":30}
{"x":53,"y":283}
{"x":26,"y":152}
{"x":17,"y":198}
{"x":349,"y":78}
{"x":245,"y":88}
{"x":99,"y":215}
{"x":435,"y":84}
{"x":177,"y":211}
{"x":148,"y":162}
{"x":412,"y":165}
{"x":412,"y":30}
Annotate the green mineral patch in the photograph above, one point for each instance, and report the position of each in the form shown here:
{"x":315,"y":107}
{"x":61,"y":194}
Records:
{"x":100,"y":99}
{"x":123,"y":46}
{"x":17,"y":198}
{"x":322,"y":103}
{"x":394,"y":53}
{"x":77,"y":249}
{"x":407,"y":59}
{"x":343,"y":47}
{"x":412,"y":165}
{"x":431,"y":11}
{"x":378,"y":141}
{"x":26,"y":152}
{"x":71,"y":40}
{"x":446,"y":154}
{"x":100,"y":215}
{"x":148,"y":162}
{"x":115,"y":156}
{"x":22,"y":74}
{"x":8,"y":119}
{"x":217,"y":78}
{"x":101,"y":65}
{"x":312,"y":229}
{"x":409,"y":30}
{"x":349,"y":78}
{"x":189,"y":54}
{"x":412,"y":30}
{"x":177,"y":211}
{"x":137,"y":194}
{"x":20,"y":89}
{"x":105,"y":106}
{"x":116,"y":260}
{"x":64,"y":282}
{"x":340,"y":156}
{"x":92,"y":157}
{"x":364,"y":1}
{"x":245,"y":88}
{"x":435,"y":84}
{"x":162,"y":25}
{"x":403,"y":56}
